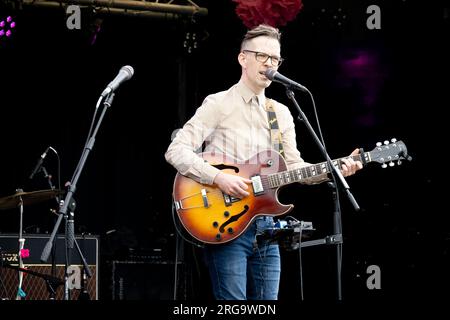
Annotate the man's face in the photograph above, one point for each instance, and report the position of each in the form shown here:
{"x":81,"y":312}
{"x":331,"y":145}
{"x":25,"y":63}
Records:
{"x":252,"y":61}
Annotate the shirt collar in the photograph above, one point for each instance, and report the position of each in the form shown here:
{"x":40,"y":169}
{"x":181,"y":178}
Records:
{"x":248,"y":94}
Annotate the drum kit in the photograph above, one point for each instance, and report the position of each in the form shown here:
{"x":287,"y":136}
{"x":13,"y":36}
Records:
{"x":19,"y":200}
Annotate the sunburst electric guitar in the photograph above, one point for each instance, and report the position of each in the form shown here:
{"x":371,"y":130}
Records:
{"x":214,"y":217}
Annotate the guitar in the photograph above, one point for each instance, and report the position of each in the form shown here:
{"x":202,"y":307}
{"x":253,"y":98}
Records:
{"x":214,"y":217}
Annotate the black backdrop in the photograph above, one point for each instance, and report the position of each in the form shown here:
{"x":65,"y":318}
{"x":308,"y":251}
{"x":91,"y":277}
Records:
{"x":369,"y":85}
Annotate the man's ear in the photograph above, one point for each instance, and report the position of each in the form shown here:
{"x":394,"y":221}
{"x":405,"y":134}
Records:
{"x":242,"y":58}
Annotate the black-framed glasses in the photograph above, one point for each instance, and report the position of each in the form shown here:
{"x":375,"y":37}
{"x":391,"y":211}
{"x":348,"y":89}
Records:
{"x":263,"y":57}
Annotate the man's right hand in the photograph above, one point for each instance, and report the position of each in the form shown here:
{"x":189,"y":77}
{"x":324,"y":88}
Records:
{"x":232,"y":185}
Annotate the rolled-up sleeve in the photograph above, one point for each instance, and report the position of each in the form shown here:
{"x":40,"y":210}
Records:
{"x":182,"y":151}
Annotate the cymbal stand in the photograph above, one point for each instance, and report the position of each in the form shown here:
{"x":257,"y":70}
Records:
{"x":20,"y":292}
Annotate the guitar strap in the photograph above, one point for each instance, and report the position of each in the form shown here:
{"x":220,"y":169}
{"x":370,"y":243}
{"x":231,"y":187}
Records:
{"x":275,"y":133}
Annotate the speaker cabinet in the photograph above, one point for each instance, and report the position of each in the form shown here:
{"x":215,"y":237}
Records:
{"x":34,"y":284}
{"x":138,"y":280}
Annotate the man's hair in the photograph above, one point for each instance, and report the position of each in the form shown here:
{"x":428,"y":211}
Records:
{"x":263,"y":30}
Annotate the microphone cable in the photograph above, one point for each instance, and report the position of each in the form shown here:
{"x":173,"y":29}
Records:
{"x":89,"y":133}
{"x":180,"y":233}
{"x":177,"y":244}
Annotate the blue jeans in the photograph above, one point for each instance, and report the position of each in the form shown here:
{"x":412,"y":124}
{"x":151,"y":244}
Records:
{"x":242,"y":269}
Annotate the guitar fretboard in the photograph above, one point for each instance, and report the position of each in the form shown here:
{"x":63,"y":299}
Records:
{"x":301,"y":174}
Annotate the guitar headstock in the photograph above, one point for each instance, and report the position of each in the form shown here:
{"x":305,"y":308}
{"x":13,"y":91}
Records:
{"x":389,"y":153}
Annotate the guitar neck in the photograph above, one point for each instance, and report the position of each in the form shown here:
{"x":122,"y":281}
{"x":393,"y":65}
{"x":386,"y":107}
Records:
{"x":304,"y":173}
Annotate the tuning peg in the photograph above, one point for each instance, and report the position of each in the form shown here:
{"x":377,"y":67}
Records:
{"x":393,"y":140}
{"x":391,"y":164}
{"x":378,"y":144}
{"x":384,"y":165}
{"x":386,"y":142}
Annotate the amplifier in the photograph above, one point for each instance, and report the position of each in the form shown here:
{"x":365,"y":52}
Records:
{"x":144,"y":280}
{"x":35,"y":285}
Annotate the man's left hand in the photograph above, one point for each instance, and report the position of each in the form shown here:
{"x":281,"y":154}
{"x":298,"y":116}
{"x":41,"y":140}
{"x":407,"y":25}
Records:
{"x":350,"y":166}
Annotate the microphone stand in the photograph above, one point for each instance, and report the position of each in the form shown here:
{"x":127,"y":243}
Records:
{"x":50,"y":289}
{"x":69,"y":242}
{"x":337,"y":176}
{"x":71,"y":190}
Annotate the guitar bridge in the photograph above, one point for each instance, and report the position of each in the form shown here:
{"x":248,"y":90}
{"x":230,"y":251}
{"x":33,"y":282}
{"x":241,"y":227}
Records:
{"x":198,"y":200}
{"x":205,"y":198}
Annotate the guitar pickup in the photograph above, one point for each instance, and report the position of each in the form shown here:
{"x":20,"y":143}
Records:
{"x":257,"y":185}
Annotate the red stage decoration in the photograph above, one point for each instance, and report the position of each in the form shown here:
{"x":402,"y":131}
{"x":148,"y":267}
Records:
{"x":274,"y":13}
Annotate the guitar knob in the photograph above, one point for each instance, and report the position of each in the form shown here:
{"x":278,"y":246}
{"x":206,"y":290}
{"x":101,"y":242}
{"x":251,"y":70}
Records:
{"x":378,"y":144}
{"x":399,"y":162}
{"x":391,"y":164}
{"x":386,"y":142}
{"x":384,"y":165}
{"x":393,"y":140}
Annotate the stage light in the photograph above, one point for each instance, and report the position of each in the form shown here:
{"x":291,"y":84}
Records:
{"x":6,"y":27}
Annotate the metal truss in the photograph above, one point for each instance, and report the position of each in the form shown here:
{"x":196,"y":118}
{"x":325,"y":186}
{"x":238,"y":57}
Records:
{"x":168,"y":9}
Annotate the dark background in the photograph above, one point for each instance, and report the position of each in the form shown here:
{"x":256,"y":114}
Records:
{"x":368,"y":85}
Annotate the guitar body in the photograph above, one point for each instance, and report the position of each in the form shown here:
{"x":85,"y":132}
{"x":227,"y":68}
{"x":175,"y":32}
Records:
{"x":213,"y":217}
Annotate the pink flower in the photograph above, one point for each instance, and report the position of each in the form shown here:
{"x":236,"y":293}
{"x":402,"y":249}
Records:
{"x":274,"y":13}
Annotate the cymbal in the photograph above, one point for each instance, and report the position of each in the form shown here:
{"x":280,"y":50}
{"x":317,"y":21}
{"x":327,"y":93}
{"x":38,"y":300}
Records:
{"x":28,"y":198}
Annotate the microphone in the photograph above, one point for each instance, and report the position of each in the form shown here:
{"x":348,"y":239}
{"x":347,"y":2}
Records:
{"x":39,"y":163}
{"x":125,"y":73}
{"x":274,"y":75}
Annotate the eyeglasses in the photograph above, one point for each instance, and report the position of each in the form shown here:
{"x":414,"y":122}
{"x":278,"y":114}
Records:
{"x":263,"y":57}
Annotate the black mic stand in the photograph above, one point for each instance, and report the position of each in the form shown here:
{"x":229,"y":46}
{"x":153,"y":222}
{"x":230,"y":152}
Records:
{"x":50,"y":289}
{"x":337,"y":231}
{"x":336,"y":238}
{"x":84,"y":294}
{"x":71,"y":190}
{"x":69,"y":242}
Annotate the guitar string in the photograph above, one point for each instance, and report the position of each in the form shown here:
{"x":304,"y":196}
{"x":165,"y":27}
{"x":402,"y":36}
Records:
{"x":265,"y":182}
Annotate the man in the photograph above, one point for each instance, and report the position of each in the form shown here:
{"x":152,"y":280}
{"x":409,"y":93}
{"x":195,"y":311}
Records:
{"x":235,"y":122}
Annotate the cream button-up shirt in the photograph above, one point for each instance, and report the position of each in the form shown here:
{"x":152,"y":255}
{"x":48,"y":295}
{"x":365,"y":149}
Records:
{"x":233,"y":122}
